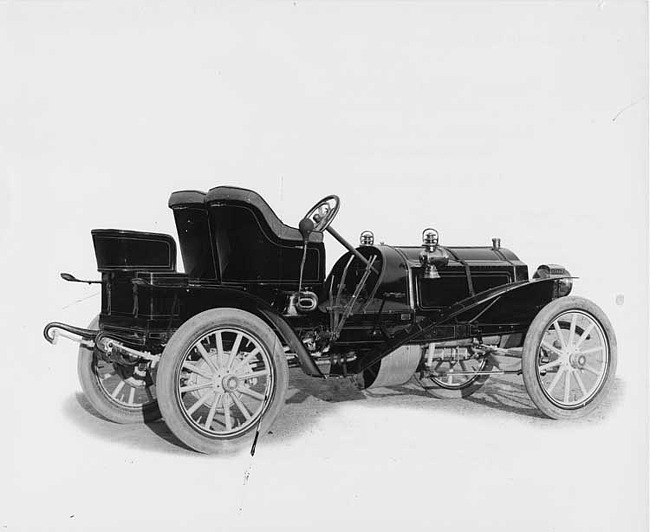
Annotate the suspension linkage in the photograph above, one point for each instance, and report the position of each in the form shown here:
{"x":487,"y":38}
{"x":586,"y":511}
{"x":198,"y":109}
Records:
{"x":108,"y":345}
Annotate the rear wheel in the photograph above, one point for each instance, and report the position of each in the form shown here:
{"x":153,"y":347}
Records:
{"x":448,"y":384}
{"x":223,"y":375}
{"x":120,"y":393}
{"x":569,"y":358}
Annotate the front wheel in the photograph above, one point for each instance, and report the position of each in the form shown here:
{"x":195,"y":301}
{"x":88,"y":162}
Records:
{"x":569,"y":358}
{"x":222,"y":376}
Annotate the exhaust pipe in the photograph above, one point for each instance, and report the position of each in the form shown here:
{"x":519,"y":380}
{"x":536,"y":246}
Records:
{"x":77,"y":334}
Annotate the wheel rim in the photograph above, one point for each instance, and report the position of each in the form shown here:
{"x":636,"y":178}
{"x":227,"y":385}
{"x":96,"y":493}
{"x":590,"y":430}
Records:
{"x":572,"y":359}
{"x":224,"y":382}
{"x":126,"y":386}
{"x":457,"y":382}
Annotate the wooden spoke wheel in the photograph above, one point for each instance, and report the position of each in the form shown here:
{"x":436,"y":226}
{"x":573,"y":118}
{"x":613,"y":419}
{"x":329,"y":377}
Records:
{"x":120,"y":393}
{"x":222,"y":375}
{"x":569,"y":358}
{"x":447,"y":384}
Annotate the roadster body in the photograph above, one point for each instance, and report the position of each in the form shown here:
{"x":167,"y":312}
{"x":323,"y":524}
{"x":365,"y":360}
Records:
{"x":209,"y":348}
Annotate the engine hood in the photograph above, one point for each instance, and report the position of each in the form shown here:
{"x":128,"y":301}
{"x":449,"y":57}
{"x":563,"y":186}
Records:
{"x":471,"y":270}
{"x":471,"y":255}
{"x":400,"y":285}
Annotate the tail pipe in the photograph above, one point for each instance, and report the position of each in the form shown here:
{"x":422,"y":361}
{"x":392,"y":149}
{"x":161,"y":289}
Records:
{"x":55,"y":329}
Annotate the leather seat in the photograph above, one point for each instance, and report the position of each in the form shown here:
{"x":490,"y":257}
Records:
{"x":186,"y":198}
{"x":231,"y":234}
{"x":230,"y":195}
{"x":193,"y":229}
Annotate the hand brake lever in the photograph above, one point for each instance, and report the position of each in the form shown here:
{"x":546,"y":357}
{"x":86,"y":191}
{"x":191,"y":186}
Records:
{"x":349,"y":246}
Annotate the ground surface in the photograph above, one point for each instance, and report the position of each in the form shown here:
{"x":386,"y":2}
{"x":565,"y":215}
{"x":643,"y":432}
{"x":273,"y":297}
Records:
{"x":388,"y":457}
{"x":310,"y":402}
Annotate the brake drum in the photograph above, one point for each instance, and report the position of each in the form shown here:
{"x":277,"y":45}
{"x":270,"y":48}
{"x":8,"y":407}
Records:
{"x":398,"y":367}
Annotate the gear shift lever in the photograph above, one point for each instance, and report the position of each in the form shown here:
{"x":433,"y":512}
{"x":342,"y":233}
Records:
{"x":306,"y":226}
{"x":303,"y":301}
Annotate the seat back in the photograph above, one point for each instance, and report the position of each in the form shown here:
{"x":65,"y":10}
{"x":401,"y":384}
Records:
{"x":232,"y":235}
{"x":197,"y":247}
{"x":254,"y":246}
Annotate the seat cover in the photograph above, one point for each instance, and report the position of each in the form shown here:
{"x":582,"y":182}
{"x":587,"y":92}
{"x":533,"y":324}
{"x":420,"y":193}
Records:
{"x":193,"y":229}
{"x":236,"y":194}
{"x":231,"y":234}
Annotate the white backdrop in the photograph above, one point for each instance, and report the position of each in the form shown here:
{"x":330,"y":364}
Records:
{"x":522,"y":120}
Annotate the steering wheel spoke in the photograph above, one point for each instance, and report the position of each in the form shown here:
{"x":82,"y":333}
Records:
{"x":324,"y":212}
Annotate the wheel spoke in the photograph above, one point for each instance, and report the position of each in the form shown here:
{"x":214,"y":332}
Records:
{"x":213,"y":411}
{"x":254,"y":374}
{"x":206,"y":357}
{"x":244,"y":360}
{"x":572,"y":328}
{"x":198,"y":371}
{"x":592,"y":370}
{"x":117,"y":389}
{"x":584,"y":335}
{"x":555,"y":380}
{"x":219,"y":340}
{"x":131,"y":396}
{"x":234,"y":351}
{"x":198,"y":403}
{"x":550,"y":365}
{"x":592,"y":350}
{"x":241,"y":406}
{"x":552,"y":348}
{"x":252,"y":393}
{"x":226,"y":412}
{"x":558,"y":331}
{"x":576,"y":374}
{"x":194,"y":387}
{"x":567,"y":385}
{"x":450,"y":378}
{"x":462,"y":365}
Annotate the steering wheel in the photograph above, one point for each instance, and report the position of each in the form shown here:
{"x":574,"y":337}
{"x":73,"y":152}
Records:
{"x":324,"y":212}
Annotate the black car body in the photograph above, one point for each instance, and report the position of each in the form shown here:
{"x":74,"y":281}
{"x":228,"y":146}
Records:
{"x":209,"y":348}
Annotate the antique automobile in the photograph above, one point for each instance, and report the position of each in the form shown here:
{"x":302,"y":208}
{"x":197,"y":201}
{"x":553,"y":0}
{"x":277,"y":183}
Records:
{"x":210,"y":349}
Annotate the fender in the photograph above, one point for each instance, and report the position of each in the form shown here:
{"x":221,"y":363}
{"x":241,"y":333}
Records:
{"x":229,"y":297}
{"x":501,"y":302}
{"x":519,"y":301}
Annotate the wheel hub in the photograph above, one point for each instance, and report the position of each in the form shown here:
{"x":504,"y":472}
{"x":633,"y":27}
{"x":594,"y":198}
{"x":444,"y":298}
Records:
{"x":230,"y":383}
{"x":225,"y":381}
{"x":578,"y":360}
